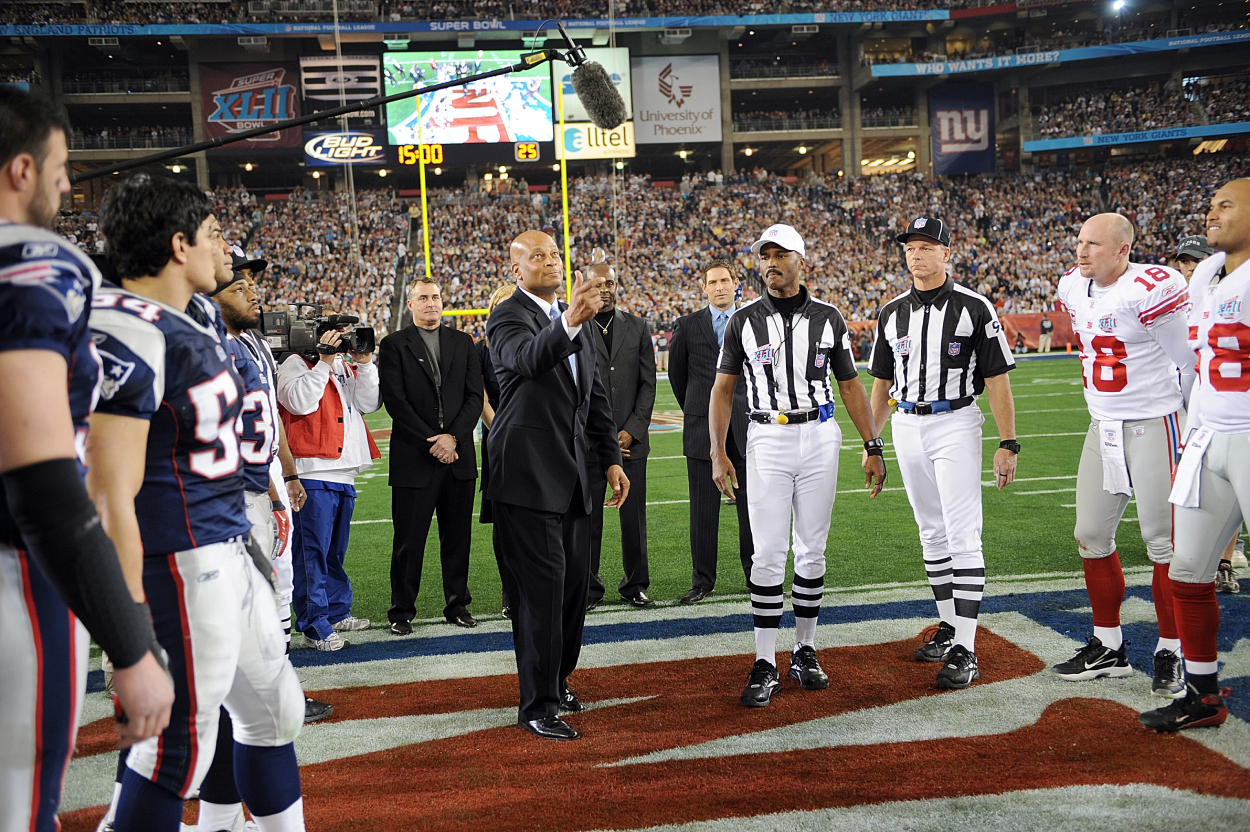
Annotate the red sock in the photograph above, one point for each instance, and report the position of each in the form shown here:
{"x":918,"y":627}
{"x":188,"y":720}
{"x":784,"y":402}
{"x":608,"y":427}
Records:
{"x":1197,"y":619}
{"x":1165,"y":608}
{"x":1104,"y":579}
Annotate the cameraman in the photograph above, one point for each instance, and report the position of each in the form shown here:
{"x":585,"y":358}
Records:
{"x":322,"y":400}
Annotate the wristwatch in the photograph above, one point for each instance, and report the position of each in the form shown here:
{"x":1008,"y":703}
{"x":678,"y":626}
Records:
{"x":875,"y":447}
{"x":1010,"y":445}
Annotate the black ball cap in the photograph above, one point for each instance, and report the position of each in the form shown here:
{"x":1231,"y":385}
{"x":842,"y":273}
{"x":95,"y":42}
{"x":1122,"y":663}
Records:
{"x":930,"y":227}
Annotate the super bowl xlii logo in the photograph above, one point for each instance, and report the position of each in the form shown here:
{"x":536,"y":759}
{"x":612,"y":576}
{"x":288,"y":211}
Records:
{"x":254,"y":101}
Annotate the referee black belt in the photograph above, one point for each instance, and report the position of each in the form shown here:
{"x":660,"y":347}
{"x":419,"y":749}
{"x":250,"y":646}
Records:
{"x":929,"y":408}
{"x":792,"y":417}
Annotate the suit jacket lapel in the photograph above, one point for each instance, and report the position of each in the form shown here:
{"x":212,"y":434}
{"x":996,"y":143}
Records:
{"x":417,"y":347}
{"x":705,"y":322}
{"x":445,"y":348}
{"x":620,"y":324}
{"x":577,"y":357}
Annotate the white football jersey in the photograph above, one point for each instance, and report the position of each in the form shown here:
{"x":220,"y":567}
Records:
{"x":1221,"y":314}
{"x":1127,"y":374}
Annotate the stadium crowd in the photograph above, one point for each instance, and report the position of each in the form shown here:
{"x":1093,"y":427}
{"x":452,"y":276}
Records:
{"x":1085,"y":113}
{"x":1225,"y":99}
{"x":1014,"y":233}
{"x":118,"y":12}
{"x":130,"y":137}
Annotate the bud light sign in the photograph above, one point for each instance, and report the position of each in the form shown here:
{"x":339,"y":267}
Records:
{"x":356,"y":147}
{"x":963,"y":128}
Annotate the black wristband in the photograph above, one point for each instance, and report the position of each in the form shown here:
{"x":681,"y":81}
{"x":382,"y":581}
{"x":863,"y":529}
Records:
{"x":291,"y":478}
{"x":279,"y":505}
{"x":63,"y":535}
{"x":1010,"y":445}
{"x":875,"y":452}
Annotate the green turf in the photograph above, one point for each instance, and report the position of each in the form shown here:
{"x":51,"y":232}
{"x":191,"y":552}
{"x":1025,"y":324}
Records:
{"x":870,"y":541}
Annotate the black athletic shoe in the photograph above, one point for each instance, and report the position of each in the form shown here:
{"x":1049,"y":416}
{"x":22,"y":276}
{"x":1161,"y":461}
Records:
{"x":315,"y":710}
{"x":806,"y":669}
{"x":1094,"y":660}
{"x":1169,"y":678}
{"x":938,"y":641}
{"x":960,"y":670}
{"x":761,"y":685}
{"x":1195,"y":710}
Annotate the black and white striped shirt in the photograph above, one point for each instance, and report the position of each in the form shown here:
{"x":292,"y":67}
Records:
{"x":940,"y":350}
{"x":788,"y":359}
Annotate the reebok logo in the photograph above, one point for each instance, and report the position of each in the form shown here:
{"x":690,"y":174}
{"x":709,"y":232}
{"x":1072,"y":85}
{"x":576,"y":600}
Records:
{"x":208,"y":576}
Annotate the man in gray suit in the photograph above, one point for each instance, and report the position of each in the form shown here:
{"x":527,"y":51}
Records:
{"x":627,"y":367}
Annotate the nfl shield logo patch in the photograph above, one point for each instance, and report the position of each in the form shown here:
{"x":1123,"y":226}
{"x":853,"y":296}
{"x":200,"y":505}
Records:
{"x":954,"y":347}
{"x":820,"y":360}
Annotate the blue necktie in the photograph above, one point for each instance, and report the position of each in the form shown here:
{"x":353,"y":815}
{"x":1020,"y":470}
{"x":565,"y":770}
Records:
{"x":555,"y":316}
{"x":719,"y":319}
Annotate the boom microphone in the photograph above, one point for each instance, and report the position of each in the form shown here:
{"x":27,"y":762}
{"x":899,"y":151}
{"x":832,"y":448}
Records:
{"x":594,"y":88}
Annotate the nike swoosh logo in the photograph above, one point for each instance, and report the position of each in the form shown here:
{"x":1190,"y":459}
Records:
{"x":1092,"y":665}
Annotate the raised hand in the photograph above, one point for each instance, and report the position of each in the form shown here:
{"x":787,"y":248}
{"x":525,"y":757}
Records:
{"x":586,"y":302}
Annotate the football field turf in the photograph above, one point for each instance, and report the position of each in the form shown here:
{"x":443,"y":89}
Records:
{"x":1028,"y":527}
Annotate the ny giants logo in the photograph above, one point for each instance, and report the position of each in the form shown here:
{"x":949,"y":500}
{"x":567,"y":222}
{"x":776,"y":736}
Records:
{"x":963,"y":131}
{"x":254,"y":101}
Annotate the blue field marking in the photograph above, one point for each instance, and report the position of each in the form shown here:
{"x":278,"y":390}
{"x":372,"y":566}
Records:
{"x":1056,"y":610}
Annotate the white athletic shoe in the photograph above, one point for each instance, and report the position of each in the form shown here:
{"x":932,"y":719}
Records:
{"x":327,"y":645}
{"x":1239,"y":555}
{"x":351,"y":623}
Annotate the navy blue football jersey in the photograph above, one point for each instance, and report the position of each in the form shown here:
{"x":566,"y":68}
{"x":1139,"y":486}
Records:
{"x":46,"y":285}
{"x":258,"y":429}
{"x":163,"y":366}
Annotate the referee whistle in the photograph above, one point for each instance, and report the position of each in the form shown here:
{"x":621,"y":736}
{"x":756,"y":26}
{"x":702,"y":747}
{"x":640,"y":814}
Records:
{"x":783,"y":419}
{"x":893,"y":402}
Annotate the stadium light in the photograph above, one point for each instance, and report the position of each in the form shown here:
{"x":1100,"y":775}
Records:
{"x":682,"y":154}
{"x":620,"y":166}
{"x":556,"y":168}
{"x":248,"y":167}
{"x":503,"y":175}
{"x":802,"y":150}
{"x":1118,"y":4}
{"x":911,"y":154}
{"x":503,"y":169}
{"x":383,"y":172}
{"x":438,"y":171}
{"x":177,"y":168}
{"x":748,"y":152}
{"x":316,"y":174}
{"x":488,"y":177}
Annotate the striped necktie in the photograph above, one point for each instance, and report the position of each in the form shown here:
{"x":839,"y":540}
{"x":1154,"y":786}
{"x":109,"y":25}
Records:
{"x":719,"y":320}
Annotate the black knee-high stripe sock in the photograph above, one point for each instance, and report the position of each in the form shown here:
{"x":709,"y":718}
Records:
{"x":766,"y":602}
{"x":806,"y":596}
{"x":940,"y":571}
{"x":967,"y":589}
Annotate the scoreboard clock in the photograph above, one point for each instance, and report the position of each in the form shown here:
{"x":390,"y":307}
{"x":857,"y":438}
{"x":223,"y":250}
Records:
{"x":526,"y":151}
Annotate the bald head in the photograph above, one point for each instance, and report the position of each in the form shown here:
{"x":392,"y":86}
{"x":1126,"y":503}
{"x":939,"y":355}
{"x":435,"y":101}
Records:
{"x":1228,"y":222}
{"x":1103,"y":247}
{"x":536,"y":264}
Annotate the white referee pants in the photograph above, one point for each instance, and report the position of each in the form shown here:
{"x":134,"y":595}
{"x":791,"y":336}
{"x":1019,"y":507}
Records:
{"x":939,"y":456}
{"x":792,"y":471}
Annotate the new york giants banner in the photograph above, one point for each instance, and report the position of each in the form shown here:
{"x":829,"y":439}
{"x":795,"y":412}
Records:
{"x":963,"y":128}
{"x":239,"y":97}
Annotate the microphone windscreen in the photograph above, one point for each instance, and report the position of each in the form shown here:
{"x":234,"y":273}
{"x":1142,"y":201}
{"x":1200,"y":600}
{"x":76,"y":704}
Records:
{"x":594,"y":88}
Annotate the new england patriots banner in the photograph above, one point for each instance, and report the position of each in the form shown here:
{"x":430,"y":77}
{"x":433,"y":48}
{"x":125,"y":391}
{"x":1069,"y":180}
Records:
{"x":962,"y":121}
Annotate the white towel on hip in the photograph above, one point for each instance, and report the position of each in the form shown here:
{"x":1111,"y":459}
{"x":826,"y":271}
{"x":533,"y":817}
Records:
{"x":1189,"y":472}
{"x":1115,"y":478}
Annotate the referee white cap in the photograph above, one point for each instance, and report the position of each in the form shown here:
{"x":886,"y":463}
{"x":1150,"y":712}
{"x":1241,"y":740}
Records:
{"x":780,"y":235}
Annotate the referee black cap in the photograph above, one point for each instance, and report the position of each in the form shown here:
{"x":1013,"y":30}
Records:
{"x":930,"y":227}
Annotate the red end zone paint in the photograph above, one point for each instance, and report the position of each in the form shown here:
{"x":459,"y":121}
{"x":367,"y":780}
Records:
{"x":498,"y":778}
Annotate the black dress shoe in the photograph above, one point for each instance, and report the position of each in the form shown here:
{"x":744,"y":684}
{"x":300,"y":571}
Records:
{"x":401,"y":628}
{"x":463,"y":619}
{"x":550,"y":728}
{"x":639,"y":600}
{"x":694,"y":596}
{"x":507,"y":612}
{"x":590,"y":605}
{"x":569,"y":703}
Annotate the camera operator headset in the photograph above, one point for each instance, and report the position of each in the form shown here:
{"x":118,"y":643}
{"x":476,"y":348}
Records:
{"x":322,"y":399}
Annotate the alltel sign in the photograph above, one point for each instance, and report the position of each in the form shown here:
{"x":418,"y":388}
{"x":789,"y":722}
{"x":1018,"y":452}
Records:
{"x":345,"y":148}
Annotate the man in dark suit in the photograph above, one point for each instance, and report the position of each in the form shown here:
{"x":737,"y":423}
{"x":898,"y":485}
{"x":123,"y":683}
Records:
{"x":627,"y":367}
{"x":696,"y":346}
{"x":432,"y":386}
{"x":552,"y":425}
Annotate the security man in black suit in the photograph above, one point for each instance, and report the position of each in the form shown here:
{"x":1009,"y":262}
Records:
{"x":552,"y":424}
{"x":627,"y":367}
{"x":431,"y":384}
{"x":695,"y":348}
